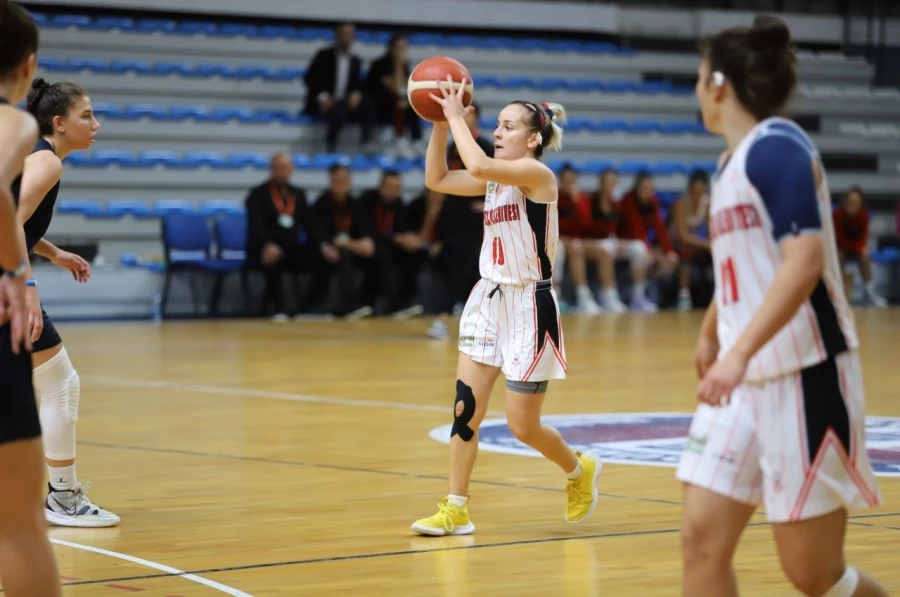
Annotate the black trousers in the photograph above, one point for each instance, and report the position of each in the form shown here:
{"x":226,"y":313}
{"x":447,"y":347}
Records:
{"x":296,"y":260}
{"x":458,"y":268}
{"x":339,"y":115}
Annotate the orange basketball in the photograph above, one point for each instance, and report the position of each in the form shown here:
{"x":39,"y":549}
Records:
{"x":424,"y":80}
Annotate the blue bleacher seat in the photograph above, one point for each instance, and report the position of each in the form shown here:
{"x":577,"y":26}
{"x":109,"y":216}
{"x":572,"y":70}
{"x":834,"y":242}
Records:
{"x":76,"y":206}
{"x":135,"y":208}
{"x":886,"y":256}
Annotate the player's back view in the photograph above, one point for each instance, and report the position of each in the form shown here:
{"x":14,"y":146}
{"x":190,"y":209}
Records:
{"x":782,"y":419}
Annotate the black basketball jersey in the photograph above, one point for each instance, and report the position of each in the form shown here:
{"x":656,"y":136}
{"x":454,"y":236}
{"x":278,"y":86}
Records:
{"x":39,"y":222}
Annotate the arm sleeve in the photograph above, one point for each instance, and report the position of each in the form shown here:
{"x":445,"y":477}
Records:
{"x":781,"y":170}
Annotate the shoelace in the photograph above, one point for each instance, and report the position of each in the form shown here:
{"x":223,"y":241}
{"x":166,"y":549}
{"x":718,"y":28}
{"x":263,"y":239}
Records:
{"x":576,"y":494}
{"x":445,"y":509}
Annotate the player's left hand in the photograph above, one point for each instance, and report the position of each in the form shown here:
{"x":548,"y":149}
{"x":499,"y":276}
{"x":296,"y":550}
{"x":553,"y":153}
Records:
{"x":80,"y":268}
{"x":721,"y":379}
{"x":452,"y":101}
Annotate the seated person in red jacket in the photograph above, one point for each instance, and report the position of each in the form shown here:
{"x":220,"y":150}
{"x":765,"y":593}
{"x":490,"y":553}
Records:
{"x":851,"y":229}
{"x":690,"y":233}
{"x":281,"y":238}
{"x":399,"y":250}
{"x":642,"y":220}
{"x":346,"y":243}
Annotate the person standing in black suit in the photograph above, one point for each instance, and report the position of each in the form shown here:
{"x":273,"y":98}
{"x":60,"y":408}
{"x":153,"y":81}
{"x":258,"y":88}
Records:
{"x":281,"y":238}
{"x":334,"y":86}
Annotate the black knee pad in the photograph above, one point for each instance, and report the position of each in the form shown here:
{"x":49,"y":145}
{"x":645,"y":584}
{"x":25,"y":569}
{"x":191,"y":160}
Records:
{"x":461,"y":422}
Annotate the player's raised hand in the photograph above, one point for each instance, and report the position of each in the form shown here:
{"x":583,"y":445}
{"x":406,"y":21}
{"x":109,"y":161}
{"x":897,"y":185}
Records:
{"x":721,"y":379}
{"x":452,"y":101}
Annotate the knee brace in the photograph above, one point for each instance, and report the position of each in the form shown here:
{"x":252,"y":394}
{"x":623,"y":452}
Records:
{"x":56,"y":383}
{"x":463,"y":416}
{"x":846,"y":586}
{"x":528,"y":387}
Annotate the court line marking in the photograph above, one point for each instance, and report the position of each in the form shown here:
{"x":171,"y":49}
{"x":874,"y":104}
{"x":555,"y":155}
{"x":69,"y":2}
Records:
{"x":172,"y":572}
{"x":405,"y":552}
{"x":352,"y":469}
{"x":242,"y":392}
{"x":385,"y":554}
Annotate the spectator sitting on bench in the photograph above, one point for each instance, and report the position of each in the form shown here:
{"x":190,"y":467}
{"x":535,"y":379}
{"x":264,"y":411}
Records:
{"x":400,"y":251}
{"x":347,"y":244}
{"x":851,"y":229}
{"x":690,"y":233}
{"x":281,"y":238}
{"x":642,"y":220}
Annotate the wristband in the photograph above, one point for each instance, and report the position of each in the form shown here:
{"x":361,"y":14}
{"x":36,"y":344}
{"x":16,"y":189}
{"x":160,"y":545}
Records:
{"x":30,"y":282}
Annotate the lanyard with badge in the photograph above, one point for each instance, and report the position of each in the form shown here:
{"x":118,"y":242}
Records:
{"x":284,"y":205}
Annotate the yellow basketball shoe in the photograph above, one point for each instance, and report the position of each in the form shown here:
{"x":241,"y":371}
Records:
{"x":582,"y":492}
{"x":449,"y":520}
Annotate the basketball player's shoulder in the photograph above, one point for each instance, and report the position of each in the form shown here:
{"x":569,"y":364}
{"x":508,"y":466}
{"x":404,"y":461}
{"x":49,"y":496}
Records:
{"x":18,"y":125}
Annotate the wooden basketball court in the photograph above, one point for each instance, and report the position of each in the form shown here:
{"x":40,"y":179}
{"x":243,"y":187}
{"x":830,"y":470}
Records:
{"x":252,"y":458}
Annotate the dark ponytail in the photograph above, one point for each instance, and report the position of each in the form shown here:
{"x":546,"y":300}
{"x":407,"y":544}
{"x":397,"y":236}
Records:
{"x":18,"y":36}
{"x":759,"y":62}
{"x":49,"y":100}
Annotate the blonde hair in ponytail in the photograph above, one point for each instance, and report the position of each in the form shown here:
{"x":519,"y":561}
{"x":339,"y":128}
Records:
{"x":546,"y":120}
{"x":558,"y":119}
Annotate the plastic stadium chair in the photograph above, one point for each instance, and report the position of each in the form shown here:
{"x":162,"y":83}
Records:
{"x":188,"y":244}
{"x":231,"y":243}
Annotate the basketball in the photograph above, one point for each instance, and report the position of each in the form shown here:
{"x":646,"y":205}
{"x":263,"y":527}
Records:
{"x":424,"y":80}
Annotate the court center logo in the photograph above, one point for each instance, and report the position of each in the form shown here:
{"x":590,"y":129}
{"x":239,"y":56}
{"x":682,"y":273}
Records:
{"x":655,"y":439}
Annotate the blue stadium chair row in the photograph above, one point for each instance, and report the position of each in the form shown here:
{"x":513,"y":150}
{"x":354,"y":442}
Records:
{"x":130,"y":112}
{"x":122,"y":208}
{"x":318,"y":34}
{"x":249,"y":72}
{"x":196,"y":244}
{"x":104,"y":158}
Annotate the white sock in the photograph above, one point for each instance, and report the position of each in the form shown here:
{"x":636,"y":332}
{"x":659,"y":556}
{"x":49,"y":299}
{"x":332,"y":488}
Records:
{"x":846,"y":586}
{"x":62,"y":478}
{"x":458,"y":500}
{"x":577,"y":472}
{"x":640,"y":289}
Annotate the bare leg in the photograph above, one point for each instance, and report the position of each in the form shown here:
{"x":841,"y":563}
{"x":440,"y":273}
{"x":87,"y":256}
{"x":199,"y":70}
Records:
{"x":812,"y":555}
{"x":523,"y":416}
{"x":711,"y":528}
{"x":27,"y":563}
{"x":480,"y":380}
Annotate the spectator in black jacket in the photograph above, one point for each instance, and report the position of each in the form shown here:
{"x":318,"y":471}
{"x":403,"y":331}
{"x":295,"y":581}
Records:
{"x":334,"y":86}
{"x":347,"y":244}
{"x":281,"y":237}
{"x":385,"y":96}
{"x":400,"y":251}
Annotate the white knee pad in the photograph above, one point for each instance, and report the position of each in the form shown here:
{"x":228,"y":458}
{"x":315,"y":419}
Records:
{"x":636,"y":252}
{"x":846,"y":586}
{"x":56,"y":383}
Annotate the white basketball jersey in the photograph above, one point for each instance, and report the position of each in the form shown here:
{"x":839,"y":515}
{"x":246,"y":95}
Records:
{"x":520,"y":237}
{"x":747,"y":256}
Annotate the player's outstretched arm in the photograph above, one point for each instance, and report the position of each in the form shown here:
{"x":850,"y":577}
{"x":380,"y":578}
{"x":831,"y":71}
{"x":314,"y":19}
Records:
{"x":438,"y":177}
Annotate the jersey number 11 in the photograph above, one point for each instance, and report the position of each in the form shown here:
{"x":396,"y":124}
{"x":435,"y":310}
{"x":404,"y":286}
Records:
{"x":497,"y":252}
{"x":729,"y":283}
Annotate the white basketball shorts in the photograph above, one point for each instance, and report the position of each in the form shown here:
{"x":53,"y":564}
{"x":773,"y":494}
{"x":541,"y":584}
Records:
{"x":796,"y":444}
{"x":516,"y":329}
